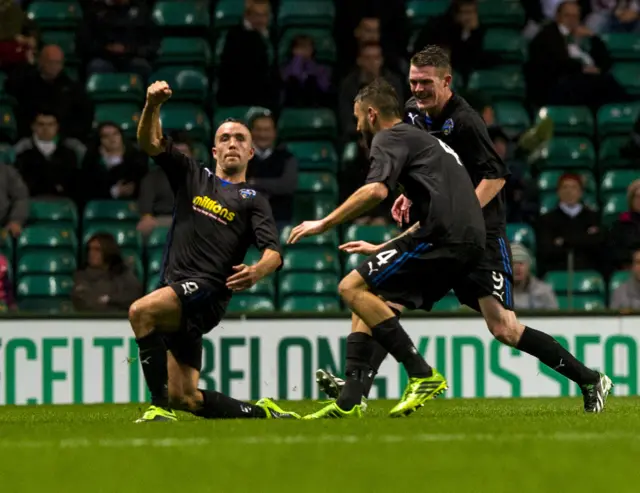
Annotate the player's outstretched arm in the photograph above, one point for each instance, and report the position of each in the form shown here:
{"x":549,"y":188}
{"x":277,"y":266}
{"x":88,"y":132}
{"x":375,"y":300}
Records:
{"x":149,"y":129}
{"x":366,"y":248}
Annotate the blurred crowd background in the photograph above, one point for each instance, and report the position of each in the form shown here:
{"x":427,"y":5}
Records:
{"x":84,"y":213}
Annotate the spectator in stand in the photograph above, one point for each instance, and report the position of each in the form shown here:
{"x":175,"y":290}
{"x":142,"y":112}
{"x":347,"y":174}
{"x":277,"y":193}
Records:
{"x":611,"y":16}
{"x":568,"y":64}
{"x":48,"y":166}
{"x":571,"y":227}
{"x":529,"y":292}
{"x":156,"y":196}
{"x":7,"y":300}
{"x":118,"y":36}
{"x":48,"y":86}
{"x":370,"y":66}
{"x":106,"y":284}
{"x":273,"y":170}
{"x":627,"y":295}
{"x":14,"y":201}
{"x":625,"y":232}
{"x":112,"y":168}
{"x":18,"y":36}
{"x":246,"y":75}
{"x":306,"y":83}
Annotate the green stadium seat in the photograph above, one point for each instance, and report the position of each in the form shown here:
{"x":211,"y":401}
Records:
{"x":628,"y":76}
{"x":61,"y":14}
{"x":329,"y":239}
{"x":506,"y":45}
{"x":62,"y":212}
{"x":44,"y":286}
{"x":115,"y":87}
{"x":617,"y":119}
{"x":315,"y":182}
{"x":227,"y":14}
{"x":549,"y":201}
{"x":314,"y":155}
{"x":617,"y":279}
{"x":38,"y":237}
{"x":184,"y":52}
{"x":499,"y":83}
{"x":318,"y":123}
{"x":583,"y":282}
{"x":617,"y":180}
{"x":610,"y":156}
{"x":223,"y":112}
{"x":111,"y":210}
{"x":186,"y":116}
{"x":623,"y":46}
{"x":522,"y":233}
{"x":325,"y":46}
{"x":8,"y":128}
{"x":349,"y":153}
{"x":353,"y":261}
{"x":512,"y":117}
{"x":51,"y":306}
{"x":568,"y":120}
{"x":125,"y":235}
{"x":568,"y":152}
{"x":183,"y":14}
{"x":158,"y":238}
{"x":371,"y":234}
{"x":66,"y":40}
{"x":307,"y":207}
{"x":311,"y":260}
{"x":187,"y":84}
{"x":581,"y":303}
{"x":548,"y":180}
{"x":153,"y":283}
{"x":253,"y":256}
{"x":154,"y":261}
{"x":447,"y":304}
{"x":418,"y":11}
{"x":125,"y":115}
{"x":264,"y":287}
{"x":305,"y":13}
{"x":317,"y":304}
{"x":46,"y":262}
{"x":242,"y":303}
{"x":308,"y":284}
{"x":501,"y":13}
{"x":612,"y":206}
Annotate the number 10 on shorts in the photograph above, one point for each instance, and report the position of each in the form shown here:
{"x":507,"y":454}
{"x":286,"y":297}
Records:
{"x":383,"y":259}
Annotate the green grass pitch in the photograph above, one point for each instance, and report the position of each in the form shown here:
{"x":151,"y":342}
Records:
{"x":467,"y":446}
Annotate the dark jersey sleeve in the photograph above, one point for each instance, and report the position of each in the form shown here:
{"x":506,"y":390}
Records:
{"x":478,"y":153}
{"x":265,"y":233}
{"x":176,"y":165}
{"x":387,"y":158}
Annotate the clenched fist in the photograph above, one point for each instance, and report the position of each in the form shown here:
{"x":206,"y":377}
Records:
{"x":158,"y":93}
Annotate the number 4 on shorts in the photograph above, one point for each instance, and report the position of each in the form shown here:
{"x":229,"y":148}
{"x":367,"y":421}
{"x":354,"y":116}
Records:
{"x":383,"y":257}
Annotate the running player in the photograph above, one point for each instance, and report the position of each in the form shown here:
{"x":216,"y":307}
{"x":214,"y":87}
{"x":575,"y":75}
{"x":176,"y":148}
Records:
{"x":216,"y":218}
{"x":416,"y":269}
{"x":434,"y":108}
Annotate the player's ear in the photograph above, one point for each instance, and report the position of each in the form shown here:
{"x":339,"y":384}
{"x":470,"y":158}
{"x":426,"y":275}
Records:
{"x":447,"y":80}
{"x":372,"y":115}
{"x":214,"y":152}
{"x":252,"y":151}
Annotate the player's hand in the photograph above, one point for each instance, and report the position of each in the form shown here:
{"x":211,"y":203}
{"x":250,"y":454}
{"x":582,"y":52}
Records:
{"x":158,"y":93}
{"x":245,"y":277}
{"x":362,"y":247}
{"x":400,"y":210}
{"x":307,"y":228}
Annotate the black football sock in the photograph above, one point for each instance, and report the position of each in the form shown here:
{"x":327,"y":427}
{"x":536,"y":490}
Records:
{"x":378,"y":356}
{"x":359,"y":350}
{"x":153,"y":359}
{"x":551,"y":353}
{"x":219,"y":406}
{"x":394,"y":339}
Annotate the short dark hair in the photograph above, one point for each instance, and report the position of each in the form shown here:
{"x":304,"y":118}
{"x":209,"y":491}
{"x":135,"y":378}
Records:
{"x":382,"y":96}
{"x":45,"y":112}
{"x":562,"y":5}
{"x":432,"y":56}
{"x":111,"y":254}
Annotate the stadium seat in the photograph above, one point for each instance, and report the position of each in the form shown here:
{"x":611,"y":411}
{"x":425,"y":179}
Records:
{"x":186,"y":116}
{"x":329,"y":239}
{"x":581,"y":282}
{"x":581,"y":303}
{"x":242,"y":303}
{"x":548,"y":180}
{"x":318,"y":123}
{"x":125,"y":235}
{"x":522,"y":233}
{"x":617,"y":119}
{"x":314,"y":155}
{"x":153,"y":283}
{"x":8,"y":128}
{"x":60,"y":14}
{"x":116,"y":87}
{"x":325,"y":46}
{"x":568,"y":120}
{"x":610,"y":156}
{"x":38,"y":237}
{"x":612,"y":206}
{"x":111,"y":210}
{"x":252,"y":257}
{"x":505,"y":45}
{"x":306,"y":13}
{"x":223,"y":112}
{"x":61,"y":213}
{"x":628,"y":76}
{"x":371,"y":234}
{"x":51,"y":306}
{"x":320,"y":304}
{"x":311,"y":260}
{"x":187,"y":84}
{"x":184,"y":52}
{"x":447,"y":304}
{"x":618,"y":278}
{"x":158,"y":238}
{"x":499,"y":83}
{"x":183,"y":14}
{"x":44,"y":286}
{"x":418,"y":11}
{"x":154,"y":261}
{"x":310,"y":206}
{"x":617,"y":180}
{"x":264,"y":287}
{"x":319,"y":183}
{"x":501,"y":13}
{"x":46,"y":262}
{"x":568,"y":152}
{"x":623,"y":46}
{"x":353,"y":261}
{"x":227,"y":14}
{"x":308,"y":284}
{"x":125,"y":115}
{"x":549,"y":201}
{"x":512,"y":117}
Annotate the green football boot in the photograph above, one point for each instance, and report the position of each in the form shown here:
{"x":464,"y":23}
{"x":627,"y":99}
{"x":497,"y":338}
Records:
{"x":595,"y":394}
{"x":155,"y":413}
{"x":417,"y":392}
{"x":333,"y":411}
{"x":274,"y":411}
{"x":332,"y":385}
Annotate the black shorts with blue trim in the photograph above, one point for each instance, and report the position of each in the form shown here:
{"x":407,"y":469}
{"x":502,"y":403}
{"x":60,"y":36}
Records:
{"x":492,"y":276}
{"x":415,"y":273}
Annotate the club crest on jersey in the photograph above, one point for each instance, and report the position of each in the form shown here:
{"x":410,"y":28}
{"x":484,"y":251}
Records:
{"x":447,"y":127}
{"x":245,"y":193}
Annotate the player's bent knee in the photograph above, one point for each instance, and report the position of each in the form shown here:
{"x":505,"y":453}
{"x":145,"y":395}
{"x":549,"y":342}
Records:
{"x":140,"y":317}
{"x":505,"y":331}
{"x":351,"y":285}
